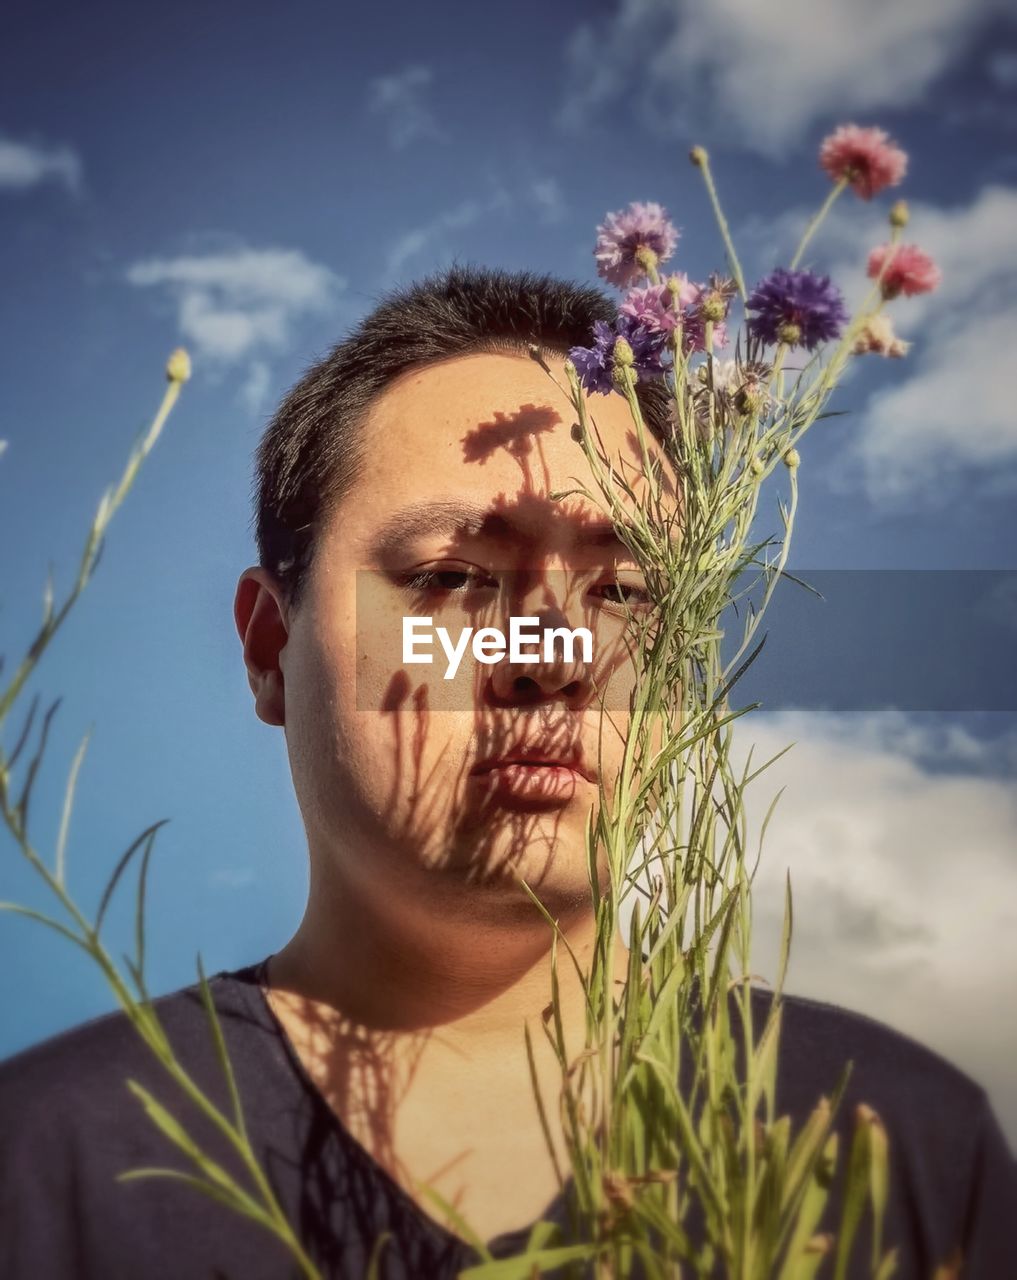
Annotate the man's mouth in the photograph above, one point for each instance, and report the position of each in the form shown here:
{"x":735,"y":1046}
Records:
{"x":532,"y":778}
{"x":536,"y":759}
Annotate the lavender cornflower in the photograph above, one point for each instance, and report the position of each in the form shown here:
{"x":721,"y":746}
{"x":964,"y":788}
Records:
{"x":632,"y":242}
{"x":595,"y":365}
{"x":654,"y":308}
{"x":796,"y":307}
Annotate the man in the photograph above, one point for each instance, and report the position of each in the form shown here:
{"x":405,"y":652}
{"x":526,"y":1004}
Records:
{"x":410,"y":473}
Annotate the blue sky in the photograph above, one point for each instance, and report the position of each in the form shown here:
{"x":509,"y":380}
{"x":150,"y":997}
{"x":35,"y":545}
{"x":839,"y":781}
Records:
{"x":247,"y":180}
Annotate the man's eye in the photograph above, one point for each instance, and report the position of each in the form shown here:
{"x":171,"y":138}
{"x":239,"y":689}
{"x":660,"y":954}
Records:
{"x":448,"y":581}
{"x":624,"y":593}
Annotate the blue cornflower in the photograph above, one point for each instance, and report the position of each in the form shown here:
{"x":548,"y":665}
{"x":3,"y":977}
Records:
{"x":595,"y":365}
{"x":796,"y":307}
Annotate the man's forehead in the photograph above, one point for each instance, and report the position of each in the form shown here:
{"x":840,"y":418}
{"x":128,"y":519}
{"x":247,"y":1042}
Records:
{"x":454,"y":438}
{"x":529,"y":517}
{"x":498,"y":393}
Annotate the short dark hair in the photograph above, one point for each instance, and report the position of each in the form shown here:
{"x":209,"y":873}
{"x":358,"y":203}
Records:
{"x":312,"y":450}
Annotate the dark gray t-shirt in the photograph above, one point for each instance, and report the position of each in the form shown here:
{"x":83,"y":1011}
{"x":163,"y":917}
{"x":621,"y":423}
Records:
{"x":69,"y":1125}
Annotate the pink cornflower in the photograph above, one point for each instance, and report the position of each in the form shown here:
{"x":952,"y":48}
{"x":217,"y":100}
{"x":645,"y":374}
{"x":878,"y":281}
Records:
{"x":865,"y":157}
{"x":908,"y":270}
{"x":632,"y":241}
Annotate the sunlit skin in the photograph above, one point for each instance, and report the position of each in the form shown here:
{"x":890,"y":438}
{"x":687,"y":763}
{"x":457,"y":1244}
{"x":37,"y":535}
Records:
{"x":420,"y":956}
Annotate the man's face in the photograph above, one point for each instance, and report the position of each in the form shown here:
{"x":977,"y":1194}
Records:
{"x":414,"y":784}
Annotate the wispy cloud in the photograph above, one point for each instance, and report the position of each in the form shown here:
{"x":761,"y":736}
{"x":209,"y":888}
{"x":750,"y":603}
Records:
{"x":539,"y":199}
{"x":1003,"y":68}
{"x":900,"y":835}
{"x":241,"y":303}
{"x":432,"y":236}
{"x":400,"y":100}
{"x":546,"y":194}
{"x":24,"y":165}
{"x":758,"y":76}
{"x":255,"y":388}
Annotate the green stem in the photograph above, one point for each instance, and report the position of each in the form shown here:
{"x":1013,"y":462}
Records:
{"x":718,"y":212}
{"x":814,"y":223}
{"x":88,"y":557}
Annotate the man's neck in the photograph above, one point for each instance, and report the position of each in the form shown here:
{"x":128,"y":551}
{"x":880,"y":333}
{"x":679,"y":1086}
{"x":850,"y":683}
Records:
{"x":459,"y":978}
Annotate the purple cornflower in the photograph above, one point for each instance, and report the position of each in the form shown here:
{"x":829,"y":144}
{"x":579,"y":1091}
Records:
{"x":796,"y":307}
{"x":632,"y":241}
{"x":595,"y":365}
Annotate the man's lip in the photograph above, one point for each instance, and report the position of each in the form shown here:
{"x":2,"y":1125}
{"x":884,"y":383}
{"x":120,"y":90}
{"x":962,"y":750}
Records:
{"x":535,"y":759}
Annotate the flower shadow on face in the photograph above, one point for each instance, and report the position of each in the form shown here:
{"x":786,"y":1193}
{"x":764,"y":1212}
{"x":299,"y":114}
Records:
{"x":563,"y":709}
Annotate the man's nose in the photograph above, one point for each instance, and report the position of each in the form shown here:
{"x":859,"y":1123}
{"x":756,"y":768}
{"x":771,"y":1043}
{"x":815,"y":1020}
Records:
{"x":563,"y":672}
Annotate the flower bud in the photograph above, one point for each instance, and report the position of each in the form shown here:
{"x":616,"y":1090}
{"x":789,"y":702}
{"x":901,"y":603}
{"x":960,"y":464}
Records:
{"x":751,"y":398}
{"x":178,"y":366}
{"x":756,"y":465}
{"x":792,"y":459}
{"x":623,"y":353}
{"x":789,"y":333}
{"x":899,"y":214}
{"x":713,"y":307}
{"x":698,"y":156}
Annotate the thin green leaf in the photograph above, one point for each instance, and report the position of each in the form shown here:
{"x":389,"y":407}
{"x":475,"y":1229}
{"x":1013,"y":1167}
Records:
{"x":17,"y":909}
{"x":65,"y":817}
{"x":121,"y":867}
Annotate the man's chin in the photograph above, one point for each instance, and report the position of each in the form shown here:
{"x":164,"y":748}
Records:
{"x":551,"y":860}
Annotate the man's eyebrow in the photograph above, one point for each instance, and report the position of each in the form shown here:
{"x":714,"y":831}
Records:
{"x":464,"y":518}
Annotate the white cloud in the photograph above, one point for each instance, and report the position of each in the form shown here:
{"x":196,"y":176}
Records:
{"x":235,"y":303}
{"x":400,"y":100}
{"x":903,"y":862}
{"x":760,"y":74}
{"x":947,"y":417}
{"x":26,"y":164}
{"x":950,"y":408}
{"x":955,"y":411}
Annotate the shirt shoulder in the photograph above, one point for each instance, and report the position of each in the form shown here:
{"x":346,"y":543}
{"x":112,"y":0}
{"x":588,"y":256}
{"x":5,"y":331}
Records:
{"x":953,"y":1174}
{"x":819,"y":1038}
{"x":70,"y":1129}
{"x":91,"y":1060}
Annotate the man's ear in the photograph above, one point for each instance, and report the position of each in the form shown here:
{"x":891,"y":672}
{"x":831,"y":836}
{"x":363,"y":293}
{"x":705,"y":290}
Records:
{"x":261,"y":615}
